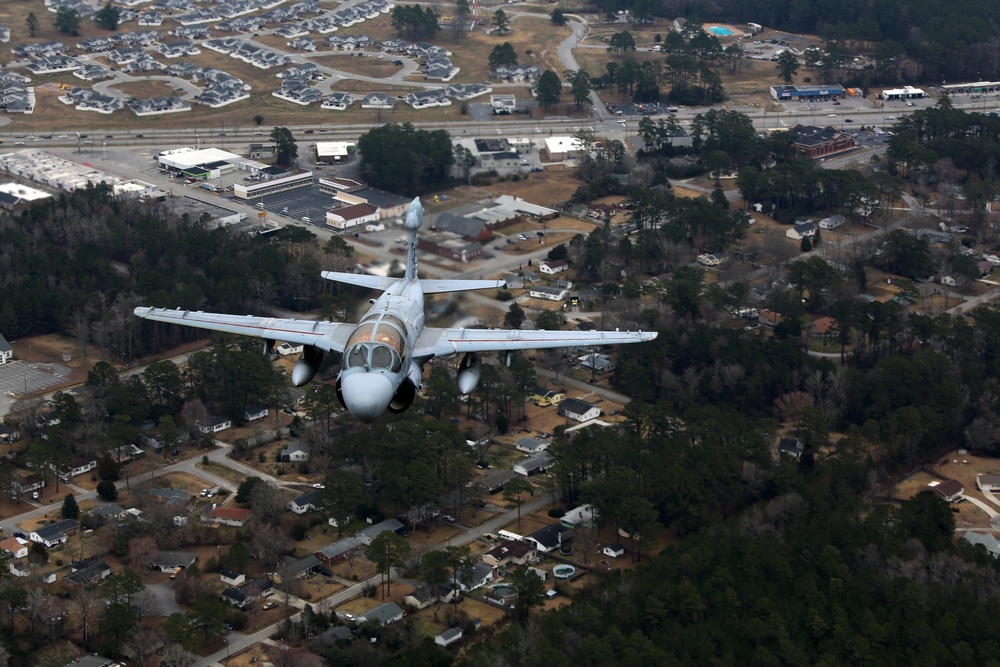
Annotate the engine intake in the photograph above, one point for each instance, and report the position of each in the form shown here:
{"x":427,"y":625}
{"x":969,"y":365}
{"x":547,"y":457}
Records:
{"x":469,"y":372}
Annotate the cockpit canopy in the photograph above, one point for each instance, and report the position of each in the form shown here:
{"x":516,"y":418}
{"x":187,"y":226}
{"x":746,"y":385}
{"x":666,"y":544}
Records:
{"x":377,"y":343}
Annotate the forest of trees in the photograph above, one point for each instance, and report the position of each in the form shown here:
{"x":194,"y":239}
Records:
{"x":910,"y":41}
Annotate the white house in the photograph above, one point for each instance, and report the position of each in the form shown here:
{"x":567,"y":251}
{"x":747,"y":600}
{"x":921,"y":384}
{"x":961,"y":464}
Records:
{"x":553,"y":267}
{"x":15,"y":547}
{"x":448,"y":637}
{"x":215,"y":425}
{"x":988,"y":541}
{"x":531,"y":445}
{"x":6,"y":351}
{"x":367,"y":535}
{"x":304,"y":503}
{"x":255,"y":412}
{"x":232,"y":578}
{"x":384,"y":614}
{"x":54,"y":534}
{"x":987,"y":482}
{"x":296,"y":452}
{"x":548,"y":293}
{"x":581,"y":411}
{"x":833,"y":222}
{"x":614,"y":550}
{"x":535,"y":463}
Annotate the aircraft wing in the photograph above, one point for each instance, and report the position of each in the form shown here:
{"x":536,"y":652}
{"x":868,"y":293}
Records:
{"x":361,"y":280}
{"x":443,"y":342}
{"x":329,"y":336}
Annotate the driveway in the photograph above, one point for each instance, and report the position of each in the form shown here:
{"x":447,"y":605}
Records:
{"x":165,"y":605}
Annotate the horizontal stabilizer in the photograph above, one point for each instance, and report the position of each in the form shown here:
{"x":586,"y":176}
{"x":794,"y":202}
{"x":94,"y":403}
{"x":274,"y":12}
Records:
{"x":361,"y":280}
{"x":441,"y":286}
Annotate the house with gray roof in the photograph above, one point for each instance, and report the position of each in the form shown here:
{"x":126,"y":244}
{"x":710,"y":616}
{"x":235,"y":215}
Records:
{"x":307,"y":502}
{"x":577,"y":410}
{"x":987,"y":540}
{"x":368,"y":535}
{"x":531,"y":445}
{"x":536,"y":463}
{"x":384,"y":614}
{"x":6,"y":351}
{"x":168,"y":496}
{"x":296,"y":452}
{"x":338,"y":101}
{"x":338,"y":550}
{"x":378,"y":101}
{"x":54,"y":534}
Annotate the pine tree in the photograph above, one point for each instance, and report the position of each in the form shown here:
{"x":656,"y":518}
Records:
{"x":70,"y":510}
{"x":32,"y":23}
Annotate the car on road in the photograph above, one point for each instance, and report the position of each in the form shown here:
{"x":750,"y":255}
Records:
{"x":398,"y":63}
{"x":319,"y":486}
{"x":848,"y":120}
{"x":522,"y":237}
{"x":832,"y":115}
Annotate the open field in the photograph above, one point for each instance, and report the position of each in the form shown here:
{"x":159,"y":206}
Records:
{"x":362,"y":66}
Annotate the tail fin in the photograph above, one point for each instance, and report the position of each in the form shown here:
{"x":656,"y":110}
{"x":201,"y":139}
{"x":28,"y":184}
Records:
{"x":414,"y":219}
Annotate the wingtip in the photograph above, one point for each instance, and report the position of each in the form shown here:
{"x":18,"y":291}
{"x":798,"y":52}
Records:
{"x":142,"y":311}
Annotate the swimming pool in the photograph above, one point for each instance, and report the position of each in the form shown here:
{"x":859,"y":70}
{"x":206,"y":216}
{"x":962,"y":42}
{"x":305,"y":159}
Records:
{"x":505,"y":590}
{"x":720,"y":31}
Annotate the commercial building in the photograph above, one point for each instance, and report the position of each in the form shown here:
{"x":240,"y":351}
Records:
{"x":808,"y":93}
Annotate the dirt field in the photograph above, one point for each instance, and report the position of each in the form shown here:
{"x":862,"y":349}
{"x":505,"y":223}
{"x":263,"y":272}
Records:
{"x":549,"y":190}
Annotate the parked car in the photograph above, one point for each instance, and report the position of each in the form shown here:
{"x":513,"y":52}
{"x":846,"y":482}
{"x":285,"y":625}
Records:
{"x":447,"y":518}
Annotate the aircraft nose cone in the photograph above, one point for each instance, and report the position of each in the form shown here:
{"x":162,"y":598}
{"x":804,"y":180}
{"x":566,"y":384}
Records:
{"x":366,"y":395}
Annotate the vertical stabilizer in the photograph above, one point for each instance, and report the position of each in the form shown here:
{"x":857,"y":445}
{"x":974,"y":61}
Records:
{"x":414,"y":219}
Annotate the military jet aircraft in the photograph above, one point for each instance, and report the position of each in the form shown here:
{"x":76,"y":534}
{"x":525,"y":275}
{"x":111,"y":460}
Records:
{"x":384,"y":354}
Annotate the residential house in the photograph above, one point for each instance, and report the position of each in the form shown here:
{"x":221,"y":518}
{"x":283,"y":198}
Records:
{"x":299,"y":567}
{"x":824,"y":327}
{"x":424,"y":596}
{"x":54,"y":534}
{"x":791,"y":447}
{"x":481,"y":574}
{"x":449,"y":636}
{"x":215,"y":425}
{"x":86,"y":573}
{"x":19,"y":568}
{"x":232,"y":578}
{"x":513,"y":281}
{"x":547,"y":293}
{"x":801,"y":230}
{"x":6,"y":351}
{"x":579,"y":516}
{"x":228,"y":516}
{"x":172,"y":561}
{"x":168,"y":496}
{"x":543,"y":396}
{"x":596,"y":363}
{"x":531,"y":445}
{"x":295,"y":452}
{"x":950,"y":491}
{"x":339,"y":550}
{"x":369,"y":534}
{"x":336,"y":634}
{"x":508,"y":554}
{"x":493,"y":482}
{"x":986,"y":482}
{"x":553,"y":267}
{"x":833,"y":222}
{"x":109,"y":512}
{"x":26,"y":482}
{"x":248,"y":593}
{"x":77,"y":466}
{"x":307,"y":502}
{"x":549,"y":538}
{"x":987,"y":540}
{"x":613,"y":550}
{"x":531,"y":465}
{"x":8,"y":434}
{"x":384,"y":614}
{"x":14,"y":547}
{"x":254,"y":412}
{"x":769,"y":318}
{"x":581,"y":411}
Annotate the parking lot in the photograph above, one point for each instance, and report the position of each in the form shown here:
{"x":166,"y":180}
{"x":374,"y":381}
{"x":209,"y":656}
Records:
{"x":294,"y":205}
{"x":18,"y":378}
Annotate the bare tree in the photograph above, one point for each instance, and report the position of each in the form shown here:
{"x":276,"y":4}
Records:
{"x":194,"y":413}
{"x":175,"y":655}
{"x":142,"y":553}
{"x":268,"y":542}
{"x":89,"y":604}
{"x":264,"y":502}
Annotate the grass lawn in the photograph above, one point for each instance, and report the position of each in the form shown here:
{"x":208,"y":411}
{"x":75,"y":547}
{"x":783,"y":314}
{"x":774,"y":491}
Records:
{"x":363,"y":66}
